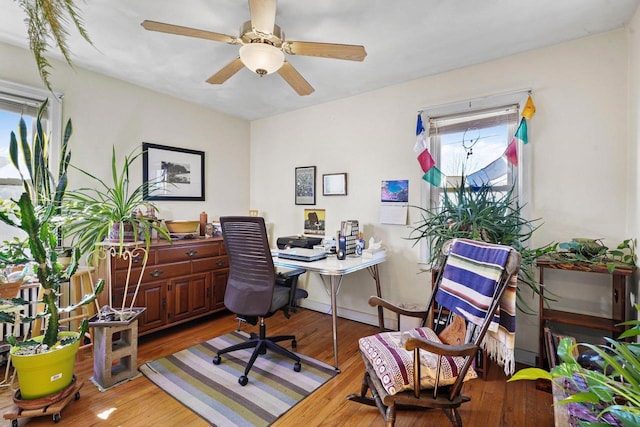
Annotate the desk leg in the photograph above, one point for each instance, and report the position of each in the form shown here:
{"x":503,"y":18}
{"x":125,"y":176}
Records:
{"x":334,"y":318}
{"x":373,"y":270}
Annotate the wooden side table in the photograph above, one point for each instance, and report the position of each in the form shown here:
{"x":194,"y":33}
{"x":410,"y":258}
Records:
{"x":607,"y":324}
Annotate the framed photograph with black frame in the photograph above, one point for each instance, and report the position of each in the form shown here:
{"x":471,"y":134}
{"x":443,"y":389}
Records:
{"x":334,"y":184}
{"x":176,"y":173}
{"x":306,"y":185}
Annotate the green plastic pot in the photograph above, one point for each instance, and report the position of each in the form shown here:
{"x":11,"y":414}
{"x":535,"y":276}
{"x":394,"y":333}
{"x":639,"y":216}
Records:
{"x":41,"y":375}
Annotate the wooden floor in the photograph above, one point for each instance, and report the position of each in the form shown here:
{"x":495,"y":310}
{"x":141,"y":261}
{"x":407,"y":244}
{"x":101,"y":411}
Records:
{"x":140,"y":403}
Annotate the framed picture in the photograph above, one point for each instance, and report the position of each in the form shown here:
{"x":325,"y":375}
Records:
{"x":306,"y":185}
{"x":172,"y":173}
{"x":334,"y":184}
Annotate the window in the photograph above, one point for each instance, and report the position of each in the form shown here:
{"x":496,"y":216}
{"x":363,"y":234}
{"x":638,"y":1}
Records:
{"x":22,"y":101}
{"x":470,"y":139}
{"x":473,"y":145}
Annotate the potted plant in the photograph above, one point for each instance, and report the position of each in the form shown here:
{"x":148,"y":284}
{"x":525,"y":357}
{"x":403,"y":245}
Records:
{"x":112,"y":211}
{"x":593,"y":251}
{"x":37,"y":214}
{"x":108,"y":217}
{"x":12,"y":266}
{"x":480,"y":213}
{"x":606,"y":395}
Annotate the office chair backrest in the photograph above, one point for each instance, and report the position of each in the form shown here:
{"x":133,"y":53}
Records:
{"x":251,"y":271}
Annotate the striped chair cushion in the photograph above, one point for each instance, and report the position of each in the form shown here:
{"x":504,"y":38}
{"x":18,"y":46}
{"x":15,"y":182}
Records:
{"x":394,"y":365}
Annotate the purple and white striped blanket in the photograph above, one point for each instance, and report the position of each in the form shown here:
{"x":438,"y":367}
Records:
{"x":469,"y":281}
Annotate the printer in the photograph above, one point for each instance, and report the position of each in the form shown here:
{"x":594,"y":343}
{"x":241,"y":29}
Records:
{"x":298,"y":242}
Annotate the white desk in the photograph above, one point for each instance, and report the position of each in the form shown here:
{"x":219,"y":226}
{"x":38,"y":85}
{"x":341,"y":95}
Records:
{"x":335,"y":269}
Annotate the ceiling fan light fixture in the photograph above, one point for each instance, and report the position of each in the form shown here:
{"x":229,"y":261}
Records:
{"x":261,"y":58}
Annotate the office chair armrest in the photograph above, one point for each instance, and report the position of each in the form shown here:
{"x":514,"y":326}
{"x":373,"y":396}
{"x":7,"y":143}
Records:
{"x":462,"y":350}
{"x":377,"y":301}
{"x":293,"y":273}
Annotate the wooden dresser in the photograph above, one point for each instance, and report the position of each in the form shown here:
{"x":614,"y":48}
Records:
{"x":182,"y":281}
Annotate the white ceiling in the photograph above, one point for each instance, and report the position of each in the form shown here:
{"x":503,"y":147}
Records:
{"x":404,"y":40}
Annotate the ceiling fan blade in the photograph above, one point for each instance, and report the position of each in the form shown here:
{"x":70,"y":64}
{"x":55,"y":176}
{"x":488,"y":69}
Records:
{"x":226,"y":72}
{"x":295,"y":79}
{"x":326,"y":50}
{"x":189,"y":32}
{"x":263,"y":15}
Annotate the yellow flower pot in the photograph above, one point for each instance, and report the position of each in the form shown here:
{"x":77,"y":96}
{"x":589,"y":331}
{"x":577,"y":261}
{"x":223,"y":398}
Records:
{"x":43,"y":374}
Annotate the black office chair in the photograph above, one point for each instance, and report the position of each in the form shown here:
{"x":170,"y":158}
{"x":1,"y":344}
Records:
{"x":252,"y":291}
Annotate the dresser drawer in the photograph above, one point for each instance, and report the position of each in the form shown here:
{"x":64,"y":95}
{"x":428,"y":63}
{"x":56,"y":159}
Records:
{"x":153,"y":273}
{"x":210,"y":264}
{"x":121,"y":263}
{"x":187,"y":252}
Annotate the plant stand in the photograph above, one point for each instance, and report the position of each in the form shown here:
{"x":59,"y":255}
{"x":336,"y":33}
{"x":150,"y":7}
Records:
{"x":115,"y":342}
{"x":47,"y":408}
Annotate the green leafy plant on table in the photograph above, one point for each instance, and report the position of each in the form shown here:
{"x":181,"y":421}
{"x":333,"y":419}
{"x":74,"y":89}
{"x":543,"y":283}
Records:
{"x":593,"y":251}
{"x":611,"y":390}
{"x":112,"y":211}
{"x":481,"y":213}
{"x":106,"y":219}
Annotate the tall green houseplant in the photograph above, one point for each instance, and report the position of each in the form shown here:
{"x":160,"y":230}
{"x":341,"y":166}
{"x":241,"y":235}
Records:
{"x":37,"y":214}
{"x":480,"y":213}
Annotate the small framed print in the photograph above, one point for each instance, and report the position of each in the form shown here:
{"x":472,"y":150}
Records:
{"x":334,"y":184}
{"x":306,"y":185}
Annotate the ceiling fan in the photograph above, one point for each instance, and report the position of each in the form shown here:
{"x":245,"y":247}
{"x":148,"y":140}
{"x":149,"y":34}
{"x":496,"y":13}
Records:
{"x":263,"y":47}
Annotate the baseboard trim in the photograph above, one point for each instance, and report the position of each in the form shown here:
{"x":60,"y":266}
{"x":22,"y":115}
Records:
{"x":522,"y":356}
{"x":345,"y":313}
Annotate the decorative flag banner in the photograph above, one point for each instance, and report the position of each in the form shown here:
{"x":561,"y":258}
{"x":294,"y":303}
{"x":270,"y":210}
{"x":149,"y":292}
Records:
{"x":521,"y":133}
{"x":421,"y":140}
{"x":426,"y":161}
{"x":492,"y":171}
{"x":432,"y":174}
{"x":511,"y":152}
{"x":529,"y":109}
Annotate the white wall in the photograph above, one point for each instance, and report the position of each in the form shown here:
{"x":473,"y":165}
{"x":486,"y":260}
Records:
{"x":107,"y":112}
{"x":633,"y":223}
{"x":578,"y":149}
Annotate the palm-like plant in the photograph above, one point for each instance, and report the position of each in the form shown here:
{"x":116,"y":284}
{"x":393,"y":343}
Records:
{"x":93,"y":212}
{"x":481,"y":214}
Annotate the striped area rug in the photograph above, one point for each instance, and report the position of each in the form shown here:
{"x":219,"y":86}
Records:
{"x":212,"y":391}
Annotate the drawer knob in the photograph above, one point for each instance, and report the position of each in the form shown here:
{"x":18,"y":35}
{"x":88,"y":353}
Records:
{"x":136,"y":259}
{"x":191,"y":252}
{"x":156,"y":273}
{"x":220,"y":263}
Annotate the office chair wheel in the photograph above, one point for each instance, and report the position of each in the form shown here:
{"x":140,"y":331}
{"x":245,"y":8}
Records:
{"x":216,"y":360}
{"x":243,"y":380}
{"x":297,"y":367}
{"x":294,"y":344}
